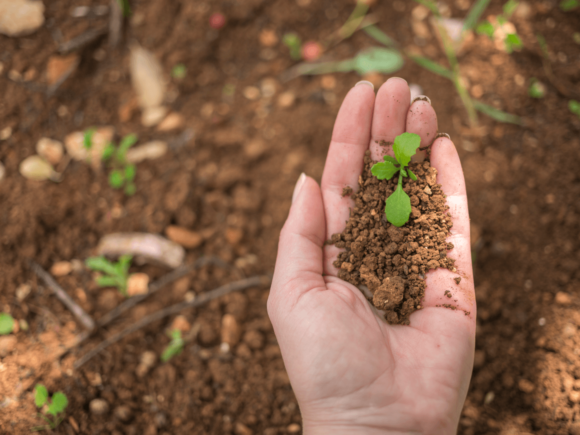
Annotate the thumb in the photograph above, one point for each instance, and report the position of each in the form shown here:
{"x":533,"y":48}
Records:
{"x":299,"y":261}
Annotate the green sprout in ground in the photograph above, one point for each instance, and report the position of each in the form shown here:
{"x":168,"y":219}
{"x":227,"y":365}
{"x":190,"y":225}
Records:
{"x":53,"y":413}
{"x":574,"y":107}
{"x":512,"y":40}
{"x":179,"y":71}
{"x":537,"y":89}
{"x":174,"y":347}
{"x":294,"y":44}
{"x":398,"y":204}
{"x":115,"y":274}
{"x":6,"y":323}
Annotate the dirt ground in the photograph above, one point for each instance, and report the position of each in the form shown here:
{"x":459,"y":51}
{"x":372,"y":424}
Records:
{"x":229,"y":175}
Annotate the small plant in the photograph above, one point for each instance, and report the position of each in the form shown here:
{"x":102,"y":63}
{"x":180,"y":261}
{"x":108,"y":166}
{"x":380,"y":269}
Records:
{"x":52,"y":414}
{"x":179,"y":71}
{"x":512,"y":40}
{"x":6,"y":323}
{"x":537,"y":89}
{"x":568,"y":5}
{"x":294,"y":44}
{"x":574,"y":107}
{"x":174,"y":347}
{"x":88,"y":138}
{"x":122,"y":172}
{"x":398,"y":204}
{"x":116,"y":274}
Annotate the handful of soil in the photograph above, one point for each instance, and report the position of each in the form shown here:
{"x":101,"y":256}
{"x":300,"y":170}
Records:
{"x":390,"y":261}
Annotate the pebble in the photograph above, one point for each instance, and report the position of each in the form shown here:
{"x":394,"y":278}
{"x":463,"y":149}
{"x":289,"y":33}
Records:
{"x":523,"y":10}
{"x":123,"y":413}
{"x":148,"y":358}
{"x":148,"y":151}
{"x":52,"y":150}
{"x":230,"y":332}
{"x":147,"y":78}
{"x":99,"y":406}
{"x":255,"y":148}
{"x":7,"y":345}
{"x":173,"y":121}
{"x":526,"y":386}
{"x":5,"y":133}
{"x":242,"y":429}
{"x":328,"y":82}
{"x":268,"y":87}
{"x":22,"y":291}
{"x":61,"y":268}
{"x":59,"y":68}
{"x":180,"y":323}
{"x":20,"y":17}
{"x":268,"y":38}
{"x":234,"y":235}
{"x":293,"y":428}
{"x":74,"y":144}
{"x":563,"y":298}
{"x":574,"y":396}
{"x":184,"y":237}
{"x":153,"y":115}
{"x":36,"y":168}
{"x":138,"y":284}
{"x":286,"y":99}
{"x":251,"y":93}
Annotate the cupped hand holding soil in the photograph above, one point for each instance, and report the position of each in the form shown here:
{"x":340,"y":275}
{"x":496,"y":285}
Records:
{"x":351,"y":371}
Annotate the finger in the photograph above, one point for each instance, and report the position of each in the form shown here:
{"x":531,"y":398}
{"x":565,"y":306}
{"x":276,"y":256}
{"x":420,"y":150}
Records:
{"x":299,"y":261}
{"x":422,"y":120}
{"x":389,"y":118}
{"x":444,"y":157}
{"x":344,"y":163}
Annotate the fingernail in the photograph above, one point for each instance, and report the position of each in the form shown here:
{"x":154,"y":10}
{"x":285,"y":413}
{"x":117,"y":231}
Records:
{"x":366,"y":82}
{"x":443,"y":135}
{"x":298,"y":186}
{"x":396,"y":78}
{"x":421,"y":98}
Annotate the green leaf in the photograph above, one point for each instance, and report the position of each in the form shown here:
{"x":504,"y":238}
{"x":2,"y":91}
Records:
{"x":107,"y":281}
{"x":390,"y":159}
{"x":475,"y":14}
{"x":40,"y":395}
{"x":434,"y":67}
{"x":404,"y":172}
{"x":179,"y":71}
{"x":486,"y":28}
{"x":568,"y":5}
{"x":382,"y":60}
{"x":126,"y":143}
{"x":175,"y":346}
{"x":405,"y":147}
{"x":116,"y":179}
{"x":412,"y":175}
{"x":59,"y":403}
{"x":379,"y":36}
{"x":88,"y":138}
{"x":384,"y":170}
{"x":398,"y":207}
{"x":123,"y":264}
{"x":513,"y":42}
{"x":108,"y":152}
{"x":510,"y":7}
{"x":497,"y":114}
{"x":294,"y":44}
{"x":6,"y":323}
{"x":574,"y":107}
{"x":130,"y":171}
{"x":100,"y":264}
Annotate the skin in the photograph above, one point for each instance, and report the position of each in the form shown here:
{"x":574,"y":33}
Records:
{"x":351,"y":371}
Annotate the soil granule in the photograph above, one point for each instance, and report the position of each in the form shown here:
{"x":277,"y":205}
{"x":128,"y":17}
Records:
{"x":390,"y":261}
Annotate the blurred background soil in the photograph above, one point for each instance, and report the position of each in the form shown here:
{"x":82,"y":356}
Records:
{"x":244,"y":138}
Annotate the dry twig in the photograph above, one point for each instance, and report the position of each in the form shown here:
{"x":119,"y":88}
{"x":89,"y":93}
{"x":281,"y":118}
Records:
{"x":173,"y":309}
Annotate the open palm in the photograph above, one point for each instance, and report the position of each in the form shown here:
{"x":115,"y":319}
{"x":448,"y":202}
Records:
{"x":351,"y":371}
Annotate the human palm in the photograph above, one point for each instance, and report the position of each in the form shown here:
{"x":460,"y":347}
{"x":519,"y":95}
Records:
{"x":351,"y":371}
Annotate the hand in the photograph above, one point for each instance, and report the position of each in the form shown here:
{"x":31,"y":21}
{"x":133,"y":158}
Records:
{"x":351,"y":372}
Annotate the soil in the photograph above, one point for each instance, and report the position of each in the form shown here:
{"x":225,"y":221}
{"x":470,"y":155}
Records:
{"x":390,"y":261}
{"x":229,"y":176}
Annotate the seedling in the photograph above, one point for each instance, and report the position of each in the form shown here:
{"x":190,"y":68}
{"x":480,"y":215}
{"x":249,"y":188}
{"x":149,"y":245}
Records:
{"x":398,"y":204}
{"x":574,"y":107}
{"x":53,"y":413}
{"x":512,"y":40}
{"x":179,"y":71}
{"x":122,"y":173}
{"x":88,"y":138}
{"x":568,"y":5}
{"x":537,"y":89}
{"x":6,"y":323}
{"x":174,"y":347}
{"x":294,"y":44}
{"x":116,"y":274}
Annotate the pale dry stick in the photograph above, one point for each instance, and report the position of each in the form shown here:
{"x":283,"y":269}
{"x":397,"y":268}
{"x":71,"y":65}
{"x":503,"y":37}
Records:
{"x":59,"y":292}
{"x":82,"y":40}
{"x":173,"y":309}
{"x":115,"y":23}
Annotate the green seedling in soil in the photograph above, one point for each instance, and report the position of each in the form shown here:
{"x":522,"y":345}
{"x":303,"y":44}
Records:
{"x":6,"y":323}
{"x":174,"y":347}
{"x":398,"y":204}
{"x":122,"y":172}
{"x":537,"y":89}
{"x":88,"y":138}
{"x":568,"y":5}
{"x":115,"y":274}
{"x":294,"y":44}
{"x":179,"y":71}
{"x":512,"y":41}
{"x":574,"y":107}
{"x":53,"y":413}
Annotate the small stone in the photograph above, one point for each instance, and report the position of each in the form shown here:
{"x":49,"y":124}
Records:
{"x":251,"y":93}
{"x":153,"y":115}
{"x":7,"y":345}
{"x":59,"y":68}
{"x":147,"y":79}
{"x":189,"y":297}
{"x":286,"y":99}
{"x":328,"y":82}
{"x":268,"y":38}
{"x":5,"y":133}
{"x":148,"y":151}
{"x":268,"y":87}
{"x":36,"y":168}
{"x":184,"y":237}
{"x":526,"y":386}
{"x":173,"y":121}
{"x":148,"y":358}
{"x":123,"y":413}
{"x":138,"y":284}
{"x":20,"y":17}
{"x":574,"y":396}
{"x":457,"y":280}
{"x":563,"y":298}
{"x":52,"y":150}
{"x":180,"y":323}
{"x":242,"y":429}
{"x":74,"y":144}
{"x":293,"y":428}
{"x":420,"y":12}
{"x":61,"y":268}
{"x":255,"y":148}
{"x":230,"y":332}
{"x":523,"y":10}
{"x":22,"y":291}
{"x":431,"y":176}
{"x":234,"y":235}
{"x":99,"y":406}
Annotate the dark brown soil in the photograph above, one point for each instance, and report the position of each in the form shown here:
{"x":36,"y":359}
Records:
{"x":236,"y":177}
{"x":390,"y":261}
